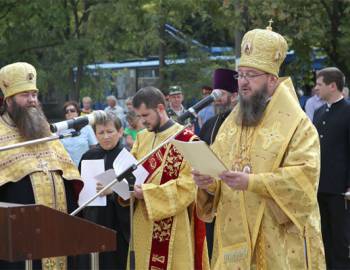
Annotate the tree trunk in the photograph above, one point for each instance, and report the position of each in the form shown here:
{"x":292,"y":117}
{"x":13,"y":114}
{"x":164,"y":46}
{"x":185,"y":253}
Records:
{"x":77,"y":79}
{"x":162,"y":45}
{"x":162,"y":53}
{"x":335,"y":12}
{"x":81,"y":19}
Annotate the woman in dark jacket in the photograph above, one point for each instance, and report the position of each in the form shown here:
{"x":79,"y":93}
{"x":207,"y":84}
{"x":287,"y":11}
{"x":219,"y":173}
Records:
{"x":108,"y":133}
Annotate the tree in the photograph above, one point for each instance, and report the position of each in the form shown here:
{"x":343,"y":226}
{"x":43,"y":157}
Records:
{"x":60,"y":37}
{"x":307,"y":25}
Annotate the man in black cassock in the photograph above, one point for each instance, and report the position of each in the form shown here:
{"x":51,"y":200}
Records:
{"x":332,"y":121}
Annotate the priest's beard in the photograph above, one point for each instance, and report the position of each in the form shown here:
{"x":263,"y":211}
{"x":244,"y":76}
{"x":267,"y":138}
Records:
{"x":30,"y":121}
{"x":155,"y":127}
{"x":222,"y":108}
{"x":252,"y":110}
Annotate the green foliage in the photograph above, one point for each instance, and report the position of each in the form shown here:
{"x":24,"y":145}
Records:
{"x":60,"y":37}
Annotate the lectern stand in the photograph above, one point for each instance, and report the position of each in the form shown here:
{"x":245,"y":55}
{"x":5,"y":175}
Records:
{"x":31,"y":232}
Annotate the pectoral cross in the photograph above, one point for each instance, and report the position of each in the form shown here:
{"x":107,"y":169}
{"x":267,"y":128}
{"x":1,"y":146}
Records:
{"x":50,"y":264}
{"x":44,"y":166}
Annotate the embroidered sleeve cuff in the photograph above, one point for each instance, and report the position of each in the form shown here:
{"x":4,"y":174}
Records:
{"x":251,"y":183}
{"x":160,"y":201}
{"x":256,"y":185}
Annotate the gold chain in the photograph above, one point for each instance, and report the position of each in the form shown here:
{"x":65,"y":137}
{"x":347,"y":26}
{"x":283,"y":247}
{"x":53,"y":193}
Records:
{"x":242,"y":160}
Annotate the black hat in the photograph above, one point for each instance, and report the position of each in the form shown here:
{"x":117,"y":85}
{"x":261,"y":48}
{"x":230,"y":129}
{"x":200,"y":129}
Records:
{"x":224,"y":79}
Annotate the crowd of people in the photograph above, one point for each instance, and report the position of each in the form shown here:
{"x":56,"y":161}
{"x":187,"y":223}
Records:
{"x":280,"y":204}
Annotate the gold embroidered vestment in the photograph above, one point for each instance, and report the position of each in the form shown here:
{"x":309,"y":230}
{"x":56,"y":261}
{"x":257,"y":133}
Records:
{"x":275,"y":224}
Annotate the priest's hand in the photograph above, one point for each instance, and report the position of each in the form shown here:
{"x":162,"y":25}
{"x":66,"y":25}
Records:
{"x":99,"y":186}
{"x":235,"y":180}
{"x":138,"y":192}
{"x":203,"y":181}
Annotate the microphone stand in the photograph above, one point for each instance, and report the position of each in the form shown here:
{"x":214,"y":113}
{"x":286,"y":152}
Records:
{"x":41,"y":140}
{"x":128,"y":175}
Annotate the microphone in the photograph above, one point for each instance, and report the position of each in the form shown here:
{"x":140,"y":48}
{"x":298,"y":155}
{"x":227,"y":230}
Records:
{"x":192,"y":111}
{"x":78,"y":122}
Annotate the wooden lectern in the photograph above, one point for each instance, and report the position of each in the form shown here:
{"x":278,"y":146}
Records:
{"x":30,"y":232}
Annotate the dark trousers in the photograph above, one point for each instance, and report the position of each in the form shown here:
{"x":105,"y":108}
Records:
{"x":335,"y":225}
{"x":210,"y":237}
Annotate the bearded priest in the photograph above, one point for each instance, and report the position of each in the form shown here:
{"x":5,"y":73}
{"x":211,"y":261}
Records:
{"x":266,"y":208}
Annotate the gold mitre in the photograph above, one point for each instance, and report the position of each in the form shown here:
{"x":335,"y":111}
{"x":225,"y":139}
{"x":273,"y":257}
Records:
{"x":263,"y":49}
{"x":17,"y":78}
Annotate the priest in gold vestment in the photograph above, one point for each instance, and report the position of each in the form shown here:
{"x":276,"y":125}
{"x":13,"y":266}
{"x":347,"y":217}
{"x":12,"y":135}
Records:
{"x":166,"y":234}
{"x":37,"y":173}
{"x":267,"y":215}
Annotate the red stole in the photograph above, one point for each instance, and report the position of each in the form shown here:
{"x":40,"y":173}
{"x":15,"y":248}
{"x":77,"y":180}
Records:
{"x":162,"y":228}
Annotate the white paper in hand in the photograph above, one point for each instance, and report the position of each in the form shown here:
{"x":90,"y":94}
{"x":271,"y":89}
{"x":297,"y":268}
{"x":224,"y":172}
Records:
{"x":124,"y":160}
{"x":121,"y":188}
{"x":89,"y":169}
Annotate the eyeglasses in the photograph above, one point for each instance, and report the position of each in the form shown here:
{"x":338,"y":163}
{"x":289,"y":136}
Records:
{"x":71,"y":111}
{"x":248,"y":76}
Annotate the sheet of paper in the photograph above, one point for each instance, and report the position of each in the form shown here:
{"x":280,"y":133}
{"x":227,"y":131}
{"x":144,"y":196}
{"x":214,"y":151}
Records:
{"x":121,"y":188}
{"x":201,"y":157}
{"x":89,"y":169}
{"x":124,"y":160}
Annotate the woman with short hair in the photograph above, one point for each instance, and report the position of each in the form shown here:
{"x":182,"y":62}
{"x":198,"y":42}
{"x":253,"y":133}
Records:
{"x":109,"y":131}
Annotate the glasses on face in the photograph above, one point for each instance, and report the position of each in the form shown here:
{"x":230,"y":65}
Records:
{"x":248,"y":76}
{"x":71,"y":111}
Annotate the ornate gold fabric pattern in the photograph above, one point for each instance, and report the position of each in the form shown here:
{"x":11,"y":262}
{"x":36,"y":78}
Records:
{"x":157,"y":258}
{"x":264,"y":50}
{"x":8,"y":138}
{"x":242,"y":157}
{"x":283,"y":172}
{"x":271,"y":135}
{"x":173,"y":161}
{"x":49,"y":191}
{"x":29,"y":155}
{"x":235,"y":255}
{"x":162,"y":230}
{"x":17,"y":163}
{"x":16,"y":78}
{"x":260,"y":253}
{"x":157,"y":206}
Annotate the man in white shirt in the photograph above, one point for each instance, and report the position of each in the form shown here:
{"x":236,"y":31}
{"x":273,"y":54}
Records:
{"x":115,"y":109}
{"x":313,"y":103}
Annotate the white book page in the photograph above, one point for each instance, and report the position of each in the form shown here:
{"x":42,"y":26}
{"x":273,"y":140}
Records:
{"x":89,"y":169}
{"x":124,"y":160}
{"x":200,"y":157}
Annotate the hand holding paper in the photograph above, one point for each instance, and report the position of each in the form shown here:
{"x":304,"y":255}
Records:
{"x":100,"y":186}
{"x":121,"y":188}
{"x":122,"y":162}
{"x":202,"y":181}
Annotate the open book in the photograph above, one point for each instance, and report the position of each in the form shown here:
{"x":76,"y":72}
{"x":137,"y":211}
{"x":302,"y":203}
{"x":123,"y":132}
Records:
{"x":201,"y":157}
